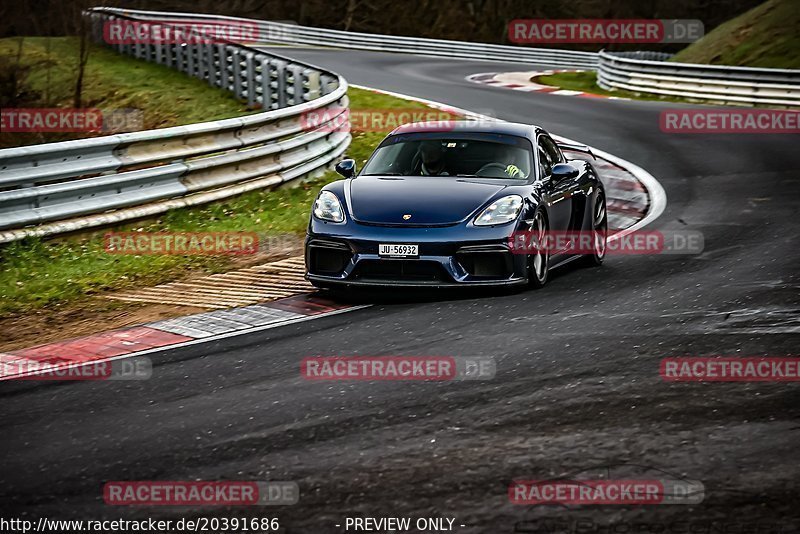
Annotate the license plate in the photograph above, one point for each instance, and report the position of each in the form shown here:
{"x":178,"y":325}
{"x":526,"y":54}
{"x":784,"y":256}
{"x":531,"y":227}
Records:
{"x":398,"y":251}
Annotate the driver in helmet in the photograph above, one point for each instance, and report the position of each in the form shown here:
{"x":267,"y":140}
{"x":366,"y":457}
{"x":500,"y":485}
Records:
{"x":432,"y":159}
{"x":503,"y":164}
{"x":511,"y":169}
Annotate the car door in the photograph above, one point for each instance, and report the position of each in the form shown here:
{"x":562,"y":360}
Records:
{"x":557,"y":194}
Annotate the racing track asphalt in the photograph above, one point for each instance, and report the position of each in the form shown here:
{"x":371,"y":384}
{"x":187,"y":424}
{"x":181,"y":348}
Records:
{"x":577,"y":388}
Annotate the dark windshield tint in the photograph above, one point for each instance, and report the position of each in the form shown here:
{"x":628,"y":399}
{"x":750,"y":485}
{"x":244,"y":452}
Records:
{"x":438,"y":154}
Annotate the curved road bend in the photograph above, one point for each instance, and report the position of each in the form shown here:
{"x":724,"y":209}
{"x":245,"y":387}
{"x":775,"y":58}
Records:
{"x":577,"y":388}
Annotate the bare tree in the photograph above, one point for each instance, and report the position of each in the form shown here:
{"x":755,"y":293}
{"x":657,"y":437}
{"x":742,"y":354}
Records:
{"x":83,"y":58}
{"x":352,"y":6}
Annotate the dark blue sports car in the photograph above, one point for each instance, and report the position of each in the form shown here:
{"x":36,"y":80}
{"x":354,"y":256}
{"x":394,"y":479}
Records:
{"x":438,"y":207}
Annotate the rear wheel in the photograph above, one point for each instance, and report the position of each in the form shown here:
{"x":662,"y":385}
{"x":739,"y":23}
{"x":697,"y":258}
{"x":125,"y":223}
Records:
{"x":599,"y":232}
{"x":538,"y":263}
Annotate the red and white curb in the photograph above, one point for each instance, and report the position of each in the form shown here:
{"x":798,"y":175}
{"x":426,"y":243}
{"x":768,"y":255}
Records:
{"x":170,"y":333}
{"x":521,"y":81}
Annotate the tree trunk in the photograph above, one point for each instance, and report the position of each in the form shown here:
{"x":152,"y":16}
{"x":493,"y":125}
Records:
{"x":83,"y":57}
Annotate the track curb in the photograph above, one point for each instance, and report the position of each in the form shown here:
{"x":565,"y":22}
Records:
{"x":509,"y":80}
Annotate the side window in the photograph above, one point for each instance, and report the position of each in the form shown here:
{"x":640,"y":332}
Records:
{"x":545,"y":160}
{"x":552,"y":149}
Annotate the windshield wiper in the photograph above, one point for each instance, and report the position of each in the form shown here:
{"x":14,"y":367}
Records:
{"x":383,"y":174}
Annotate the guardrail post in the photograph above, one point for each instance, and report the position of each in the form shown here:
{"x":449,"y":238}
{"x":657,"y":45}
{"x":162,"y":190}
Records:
{"x":314,"y":89}
{"x":97,"y":27}
{"x":226,"y":71}
{"x":329,"y":84}
{"x":170,"y":53}
{"x":250,"y":74}
{"x":126,"y":48}
{"x":266,"y":84}
{"x":236,"y":58}
{"x":191,"y":60}
{"x":140,"y":50}
{"x":297,"y":89}
{"x":202,"y":61}
{"x":281,"y":90}
{"x":180,"y":52}
{"x":218,"y":64}
{"x":210,"y":73}
{"x":198,"y":51}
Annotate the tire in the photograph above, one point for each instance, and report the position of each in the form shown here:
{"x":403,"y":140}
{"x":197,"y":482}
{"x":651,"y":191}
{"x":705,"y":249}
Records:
{"x":539,"y":263}
{"x":599,"y":231}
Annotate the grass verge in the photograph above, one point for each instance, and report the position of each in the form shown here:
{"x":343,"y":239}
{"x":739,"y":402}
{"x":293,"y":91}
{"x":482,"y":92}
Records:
{"x":40,"y":72}
{"x":766,"y":36}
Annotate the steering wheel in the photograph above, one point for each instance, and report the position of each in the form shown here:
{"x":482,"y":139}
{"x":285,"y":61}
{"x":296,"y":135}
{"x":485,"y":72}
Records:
{"x":493,"y":170}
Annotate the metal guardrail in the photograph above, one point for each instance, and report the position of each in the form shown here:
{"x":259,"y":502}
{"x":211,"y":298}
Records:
{"x":649,"y":72}
{"x":283,"y":33}
{"x":195,"y":163}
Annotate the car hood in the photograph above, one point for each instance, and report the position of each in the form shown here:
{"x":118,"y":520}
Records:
{"x":429,"y":200}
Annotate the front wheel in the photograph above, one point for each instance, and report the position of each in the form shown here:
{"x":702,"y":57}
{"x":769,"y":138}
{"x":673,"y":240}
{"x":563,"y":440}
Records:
{"x":539,"y":263}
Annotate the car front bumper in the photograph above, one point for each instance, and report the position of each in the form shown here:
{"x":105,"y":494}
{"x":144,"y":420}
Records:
{"x":346,"y":254}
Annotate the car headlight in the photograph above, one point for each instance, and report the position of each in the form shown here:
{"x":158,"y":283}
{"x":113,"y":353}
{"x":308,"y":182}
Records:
{"x":500,"y":211}
{"x":328,"y":208}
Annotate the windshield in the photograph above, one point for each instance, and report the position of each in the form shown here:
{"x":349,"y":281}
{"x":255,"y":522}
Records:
{"x":483,"y":155}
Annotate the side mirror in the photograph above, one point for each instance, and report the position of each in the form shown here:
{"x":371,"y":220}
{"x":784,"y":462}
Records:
{"x":564,"y":171}
{"x":347,"y":168}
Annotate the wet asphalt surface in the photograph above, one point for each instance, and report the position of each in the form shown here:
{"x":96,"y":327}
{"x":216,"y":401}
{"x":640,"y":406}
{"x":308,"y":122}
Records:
{"x":577,"y":390}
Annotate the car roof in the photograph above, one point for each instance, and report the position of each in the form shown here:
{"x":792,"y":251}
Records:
{"x":482,"y":126}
